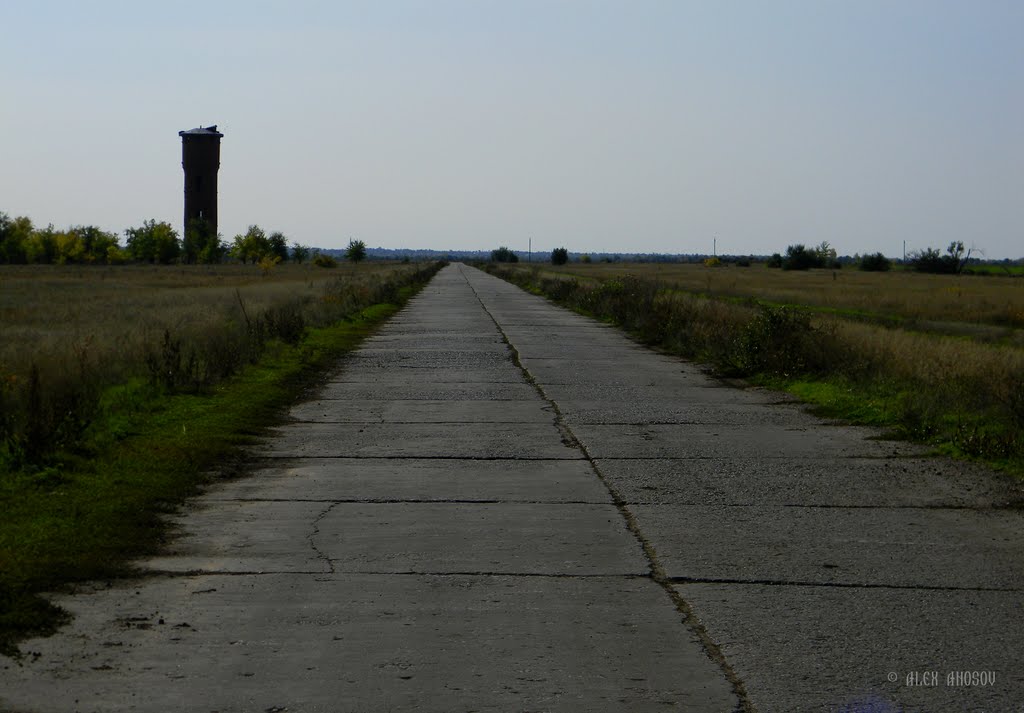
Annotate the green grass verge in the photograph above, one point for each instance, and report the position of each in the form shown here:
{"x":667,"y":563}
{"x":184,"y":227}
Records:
{"x":966,"y":435}
{"x":89,"y":516}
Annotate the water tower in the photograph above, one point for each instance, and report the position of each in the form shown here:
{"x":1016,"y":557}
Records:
{"x":200,"y":157}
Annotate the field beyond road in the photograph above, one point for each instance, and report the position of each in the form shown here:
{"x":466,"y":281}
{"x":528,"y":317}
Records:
{"x":900,"y":297}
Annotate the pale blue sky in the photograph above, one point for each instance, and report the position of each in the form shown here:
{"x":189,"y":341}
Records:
{"x":639,"y":125}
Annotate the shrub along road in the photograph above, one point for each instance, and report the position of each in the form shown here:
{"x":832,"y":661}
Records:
{"x":496,"y":504}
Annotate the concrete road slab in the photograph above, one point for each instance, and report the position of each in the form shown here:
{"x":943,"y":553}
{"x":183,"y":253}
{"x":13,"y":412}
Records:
{"x":427,"y":538}
{"x":569,"y":372}
{"x":431,"y":375}
{"x":437,"y":480}
{"x":406,"y":391}
{"x":417,"y":440}
{"x":454,"y":538}
{"x":829,"y":649}
{"x":613,"y":395}
{"x":244,"y":537}
{"x":725,"y":440}
{"x":405,"y":411}
{"x":617,"y":360}
{"x":350,"y":643}
{"x":431,"y":358}
{"x":667,"y":411}
{"x":849,"y":482}
{"x":431,"y":340}
{"x":894,"y":547}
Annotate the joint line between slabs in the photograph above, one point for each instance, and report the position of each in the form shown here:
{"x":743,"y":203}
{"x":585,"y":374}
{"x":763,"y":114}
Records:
{"x":291,"y":457}
{"x":836,"y":585}
{"x":657,"y":571}
{"x":398,"y":573}
{"x":411,"y":501}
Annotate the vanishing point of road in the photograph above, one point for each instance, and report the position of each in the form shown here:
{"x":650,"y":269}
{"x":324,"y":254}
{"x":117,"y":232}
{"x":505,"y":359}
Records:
{"x":498,"y":505}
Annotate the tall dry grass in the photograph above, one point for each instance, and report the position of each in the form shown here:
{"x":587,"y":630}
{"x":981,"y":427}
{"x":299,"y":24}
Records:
{"x":51,"y":314}
{"x":970,"y":299}
{"x":68,"y":332}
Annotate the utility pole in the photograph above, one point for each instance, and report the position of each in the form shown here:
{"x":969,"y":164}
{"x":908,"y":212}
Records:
{"x":714,"y":246}
{"x":530,"y":255}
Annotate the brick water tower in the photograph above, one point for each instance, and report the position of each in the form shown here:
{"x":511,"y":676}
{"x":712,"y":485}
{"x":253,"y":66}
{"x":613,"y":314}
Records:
{"x":200,"y":157}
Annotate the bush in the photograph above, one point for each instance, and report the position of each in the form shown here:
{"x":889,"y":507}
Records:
{"x":559,"y":256}
{"x":774,"y":261}
{"x":798,"y":257}
{"x":503,"y":254}
{"x":322,"y":260}
{"x":875,"y":263}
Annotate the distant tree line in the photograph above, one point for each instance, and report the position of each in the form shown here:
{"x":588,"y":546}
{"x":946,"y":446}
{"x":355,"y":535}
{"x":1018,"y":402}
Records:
{"x":930,"y":260}
{"x":152,"y":242}
{"x":951,"y":263}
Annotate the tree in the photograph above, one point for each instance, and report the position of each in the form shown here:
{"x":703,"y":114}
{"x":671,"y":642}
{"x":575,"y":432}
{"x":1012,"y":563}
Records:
{"x":153,"y":242}
{"x":503,"y":254}
{"x":278,"y":246}
{"x":798,"y":257}
{"x":253,"y":245}
{"x":956,"y":256}
{"x":85,"y":243}
{"x":559,"y":256}
{"x":201,"y":244}
{"x":300,"y":253}
{"x":14,"y":236}
{"x":41,"y":246}
{"x":826,"y":255}
{"x":931,"y":260}
{"x":356,"y":251}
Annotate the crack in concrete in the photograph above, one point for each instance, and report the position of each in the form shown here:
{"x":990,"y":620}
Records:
{"x":316,"y":531}
{"x":657,"y":571}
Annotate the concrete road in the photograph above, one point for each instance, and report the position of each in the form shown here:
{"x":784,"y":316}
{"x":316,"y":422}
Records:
{"x":496,"y":505}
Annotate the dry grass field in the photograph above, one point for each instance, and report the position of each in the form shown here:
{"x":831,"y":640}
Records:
{"x":967,"y":299}
{"x":51,"y":314}
{"x":70,"y":332}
